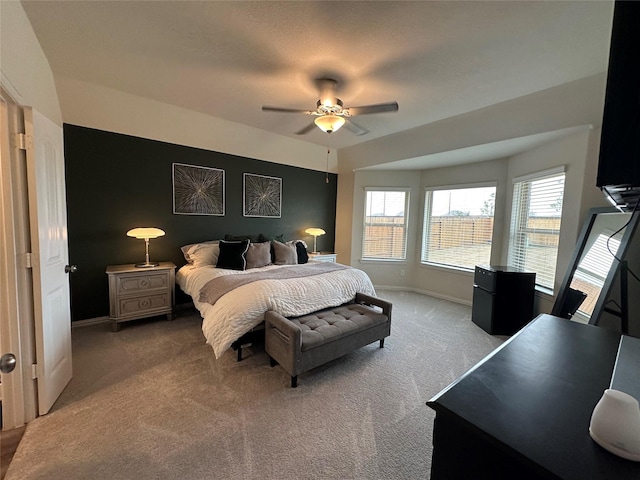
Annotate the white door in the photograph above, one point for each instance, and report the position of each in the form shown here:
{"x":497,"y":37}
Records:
{"x":49,"y":256}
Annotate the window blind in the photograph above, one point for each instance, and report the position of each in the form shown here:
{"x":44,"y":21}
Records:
{"x":458,"y":226}
{"x":385,"y":225}
{"x":535,"y":226}
{"x":593,"y":269}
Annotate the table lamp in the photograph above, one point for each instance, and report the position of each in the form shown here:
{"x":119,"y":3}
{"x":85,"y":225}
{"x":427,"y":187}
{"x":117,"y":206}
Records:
{"x":146,"y":233}
{"x":316,"y":232}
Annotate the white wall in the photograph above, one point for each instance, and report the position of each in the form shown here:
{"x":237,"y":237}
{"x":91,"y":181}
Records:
{"x":394,"y":273}
{"x":576,"y":152}
{"x":26,"y":76}
{"x":573,"y":153}
{"x":453,"y":284}
{"x":26,"y":73}
{"x":565,"y":106}
{"x":440,"y":282}
{"x":94,"y":106}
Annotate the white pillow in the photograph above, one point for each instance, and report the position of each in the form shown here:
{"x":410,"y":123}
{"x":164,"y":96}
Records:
{"x":203,"y":254}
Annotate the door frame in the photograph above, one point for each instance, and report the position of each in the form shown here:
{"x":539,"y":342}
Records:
{"x":17,"y":332}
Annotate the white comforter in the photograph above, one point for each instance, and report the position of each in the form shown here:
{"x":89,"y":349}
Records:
{"x":243,"y":308}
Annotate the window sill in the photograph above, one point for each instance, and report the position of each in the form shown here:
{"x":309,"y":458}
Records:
{"x":383,"y":260}
{"x":447,"y":268}
{"x":543,"y":291}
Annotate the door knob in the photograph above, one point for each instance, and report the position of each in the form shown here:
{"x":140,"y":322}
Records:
{"x":70,"y":268}
{"x":7,"y":363}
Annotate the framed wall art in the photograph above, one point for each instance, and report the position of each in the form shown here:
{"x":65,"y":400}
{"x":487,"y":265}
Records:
{"x":262,"y":196}
{"x":197,"y":190}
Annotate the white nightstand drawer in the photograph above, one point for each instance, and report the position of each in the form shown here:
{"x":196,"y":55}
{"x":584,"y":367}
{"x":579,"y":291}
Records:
{"x":136,"y":283}
{"x":146,"y":304}
{"x":323,"y":257}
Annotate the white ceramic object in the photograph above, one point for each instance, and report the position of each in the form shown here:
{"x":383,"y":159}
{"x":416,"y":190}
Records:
{"x":615,"y":424}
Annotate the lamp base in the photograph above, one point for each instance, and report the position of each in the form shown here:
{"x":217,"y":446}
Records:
{"x":147,"y":264}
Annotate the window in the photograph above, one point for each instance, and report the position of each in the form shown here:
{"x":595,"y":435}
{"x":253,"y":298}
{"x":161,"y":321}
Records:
{"x":535,"y":224}
{"x":458,"y":226}
{"x":385,"y":225}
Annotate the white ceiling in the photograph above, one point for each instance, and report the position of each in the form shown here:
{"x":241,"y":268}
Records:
{"x":227,"y":59}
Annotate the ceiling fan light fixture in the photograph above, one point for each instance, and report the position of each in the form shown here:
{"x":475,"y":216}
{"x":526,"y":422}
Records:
{"x":329,"y":123}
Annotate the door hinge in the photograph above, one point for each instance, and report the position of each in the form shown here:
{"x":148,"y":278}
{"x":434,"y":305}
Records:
{"x":21,"y":141}
{"x":34,"y":371}
{"x":27,"y":260}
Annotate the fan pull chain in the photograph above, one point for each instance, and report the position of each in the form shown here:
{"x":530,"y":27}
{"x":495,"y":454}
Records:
{"x":327,"y":177}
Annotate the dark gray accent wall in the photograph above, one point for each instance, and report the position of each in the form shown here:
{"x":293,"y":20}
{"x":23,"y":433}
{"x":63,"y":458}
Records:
{"x":117,"y":182}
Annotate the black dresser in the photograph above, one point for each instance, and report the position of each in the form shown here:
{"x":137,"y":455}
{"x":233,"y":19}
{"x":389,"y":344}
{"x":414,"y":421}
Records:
{"x":523,"y":412}
{"x":502,"y":299}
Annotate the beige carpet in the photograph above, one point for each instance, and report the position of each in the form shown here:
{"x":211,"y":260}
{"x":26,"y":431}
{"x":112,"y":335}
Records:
{"x":151,"y":402}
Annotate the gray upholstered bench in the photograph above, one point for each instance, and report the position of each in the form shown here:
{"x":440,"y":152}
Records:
{"x":301,"y":343}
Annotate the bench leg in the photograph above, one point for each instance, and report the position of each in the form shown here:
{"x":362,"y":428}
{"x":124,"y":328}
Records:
{"x":382,"y":343}
{"x":294,"y":381}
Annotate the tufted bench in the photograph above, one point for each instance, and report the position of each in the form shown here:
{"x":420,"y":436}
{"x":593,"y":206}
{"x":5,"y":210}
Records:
{"x":299,"y":344}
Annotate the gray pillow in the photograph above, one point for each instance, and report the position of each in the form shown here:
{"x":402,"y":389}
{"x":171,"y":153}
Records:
{"x":258,"y":255}
{"x":284,"y":254}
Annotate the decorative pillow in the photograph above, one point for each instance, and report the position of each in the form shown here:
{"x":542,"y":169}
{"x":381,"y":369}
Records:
{"x":239,"y":238}
{"x":284,"y":253}
{"x":258,"y":255}
{"x":232,"y":255}
{"x":202,"y":254}
{"x":268,"y":238}
{"x":301,"y":249}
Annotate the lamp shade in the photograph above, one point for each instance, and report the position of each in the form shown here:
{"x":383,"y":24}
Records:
{"x":329,"y":123}
{"x":145,"y":232}
{"x":315,"y":231}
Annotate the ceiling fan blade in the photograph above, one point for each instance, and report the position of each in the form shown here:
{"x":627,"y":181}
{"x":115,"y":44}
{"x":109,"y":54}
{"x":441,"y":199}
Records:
{"x":306,"y":129}
{"x":354,"y":127}
{"x":266,"y":108}
{"x":367,"y":109}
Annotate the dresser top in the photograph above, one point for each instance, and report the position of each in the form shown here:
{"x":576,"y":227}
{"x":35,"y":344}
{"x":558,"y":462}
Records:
{"x":131,"y":267}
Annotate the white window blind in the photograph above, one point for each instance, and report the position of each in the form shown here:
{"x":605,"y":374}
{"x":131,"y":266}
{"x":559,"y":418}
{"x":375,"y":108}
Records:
{"x":385,"y":225}
{"x":458,"y":226}
{"x":594,"y":267}
{"x":535,"y":225}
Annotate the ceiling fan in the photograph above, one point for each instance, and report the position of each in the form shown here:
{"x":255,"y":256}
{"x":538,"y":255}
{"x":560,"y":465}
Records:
{"x":330,"y":112}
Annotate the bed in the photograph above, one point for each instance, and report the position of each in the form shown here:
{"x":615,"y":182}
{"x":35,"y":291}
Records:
{"x":233,"y":301}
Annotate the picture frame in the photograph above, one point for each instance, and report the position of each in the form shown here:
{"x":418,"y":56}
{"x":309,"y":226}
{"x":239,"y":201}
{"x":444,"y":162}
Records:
{"x":262,"y":196}
{"x":198,"y":190}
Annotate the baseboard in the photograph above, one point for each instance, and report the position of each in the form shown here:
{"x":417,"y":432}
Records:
{"x":424,"y":292}
{"x":89,"y":321}
{"x":178,"y":310}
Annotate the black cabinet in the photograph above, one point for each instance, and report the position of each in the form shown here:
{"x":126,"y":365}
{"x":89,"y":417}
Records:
{"x":502,"y":299}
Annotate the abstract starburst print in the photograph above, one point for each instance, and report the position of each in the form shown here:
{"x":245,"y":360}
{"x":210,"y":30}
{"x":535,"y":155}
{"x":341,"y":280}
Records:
{"x":197,"y":190}
{"x":262,"y":196}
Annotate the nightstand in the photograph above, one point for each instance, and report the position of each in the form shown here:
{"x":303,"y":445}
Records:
{"x":140,"y":292}
{"x":323,"y":257}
